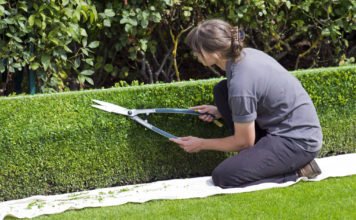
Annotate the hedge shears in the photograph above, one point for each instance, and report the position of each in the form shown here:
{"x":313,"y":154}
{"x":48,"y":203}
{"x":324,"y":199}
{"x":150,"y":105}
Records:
{"x":133,"y":114}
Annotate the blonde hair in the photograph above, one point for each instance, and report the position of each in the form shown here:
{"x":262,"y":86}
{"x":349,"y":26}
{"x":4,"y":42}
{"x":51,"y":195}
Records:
{"x":216,"y":35}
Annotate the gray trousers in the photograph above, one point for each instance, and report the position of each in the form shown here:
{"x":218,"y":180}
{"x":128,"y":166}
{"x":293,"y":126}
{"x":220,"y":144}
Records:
{"x":272,"y":159}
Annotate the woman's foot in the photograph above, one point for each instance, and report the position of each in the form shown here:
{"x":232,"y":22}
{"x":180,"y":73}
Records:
{"x":311,"y":170}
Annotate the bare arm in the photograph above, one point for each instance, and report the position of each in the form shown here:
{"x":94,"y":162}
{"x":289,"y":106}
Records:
{"x":244,"y":137}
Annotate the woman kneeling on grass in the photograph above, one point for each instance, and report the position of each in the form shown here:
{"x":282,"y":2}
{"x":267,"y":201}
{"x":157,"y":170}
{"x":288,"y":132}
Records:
{"x":275,"y":126}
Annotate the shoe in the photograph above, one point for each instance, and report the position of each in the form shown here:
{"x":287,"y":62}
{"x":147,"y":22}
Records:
{"x":311,"y":170}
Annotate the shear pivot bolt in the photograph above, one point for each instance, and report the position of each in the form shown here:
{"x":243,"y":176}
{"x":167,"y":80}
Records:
{"x":129,"y":112}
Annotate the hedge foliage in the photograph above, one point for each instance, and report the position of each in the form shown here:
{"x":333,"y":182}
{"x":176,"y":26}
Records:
{"x":90,"y":44}
{"x":57,"y":143}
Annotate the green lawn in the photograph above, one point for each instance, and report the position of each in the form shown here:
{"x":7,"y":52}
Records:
{"x":329,"y":199}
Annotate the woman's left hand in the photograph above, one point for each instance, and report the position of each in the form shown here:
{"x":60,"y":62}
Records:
{"x":189,"y":144}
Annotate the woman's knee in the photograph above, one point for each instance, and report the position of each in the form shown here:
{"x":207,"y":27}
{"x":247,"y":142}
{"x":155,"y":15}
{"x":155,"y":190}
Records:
{"x":218,"y":177}
{"x":225,"y":178}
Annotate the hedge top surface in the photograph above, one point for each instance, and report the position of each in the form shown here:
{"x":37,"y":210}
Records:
{"x":183,"y":83}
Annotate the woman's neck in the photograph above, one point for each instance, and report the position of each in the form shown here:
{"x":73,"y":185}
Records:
{"x":222,"y":64}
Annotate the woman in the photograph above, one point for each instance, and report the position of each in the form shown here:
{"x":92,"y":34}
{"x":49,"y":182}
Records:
{"x":274,"y":122}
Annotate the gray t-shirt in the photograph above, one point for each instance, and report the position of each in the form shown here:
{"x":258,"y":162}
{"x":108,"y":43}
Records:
{"x":261,"y":89}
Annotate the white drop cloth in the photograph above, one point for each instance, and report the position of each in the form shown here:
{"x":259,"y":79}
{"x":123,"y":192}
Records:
{"x":335,"y":166}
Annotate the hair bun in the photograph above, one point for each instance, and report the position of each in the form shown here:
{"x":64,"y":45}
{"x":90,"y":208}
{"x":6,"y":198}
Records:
{"x":237,"y":37}
{"x":234,"y":34}
{"x":241,"y":35}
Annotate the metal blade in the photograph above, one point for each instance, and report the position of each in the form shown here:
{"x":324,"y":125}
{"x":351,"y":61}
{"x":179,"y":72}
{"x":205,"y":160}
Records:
{"x":102,"y":108}
{"x":109,"y":107}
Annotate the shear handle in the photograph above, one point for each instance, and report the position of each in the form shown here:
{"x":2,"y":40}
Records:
{"x":153,"y":128}
{"x":186,"y":111}
{"x":181,"y":111}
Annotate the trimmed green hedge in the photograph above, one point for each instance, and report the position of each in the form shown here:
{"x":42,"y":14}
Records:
{"x":333,"y":91}
{"x":57,"y":143}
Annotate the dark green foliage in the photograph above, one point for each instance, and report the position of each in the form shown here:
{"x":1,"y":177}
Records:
{"x":57,"y":143}
{"x":79,"y":44}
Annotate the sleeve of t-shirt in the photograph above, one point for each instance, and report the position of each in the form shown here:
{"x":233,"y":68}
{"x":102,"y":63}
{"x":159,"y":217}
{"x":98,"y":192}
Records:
{"x":243,"y":108}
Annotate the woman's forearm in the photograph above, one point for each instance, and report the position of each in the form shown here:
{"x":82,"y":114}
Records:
{"x":227,"y":144}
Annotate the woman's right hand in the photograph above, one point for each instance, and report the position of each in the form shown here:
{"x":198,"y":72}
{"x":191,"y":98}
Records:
{"x":211,"y":109}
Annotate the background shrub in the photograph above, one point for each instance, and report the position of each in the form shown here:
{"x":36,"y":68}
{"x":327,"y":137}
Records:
{"x":73,"y":45}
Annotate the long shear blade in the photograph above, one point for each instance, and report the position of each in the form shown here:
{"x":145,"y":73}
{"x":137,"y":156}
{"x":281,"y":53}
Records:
{"x":109,"y":107}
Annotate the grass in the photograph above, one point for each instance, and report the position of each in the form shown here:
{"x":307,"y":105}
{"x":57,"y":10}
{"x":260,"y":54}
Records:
{"x":333,"y":198}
